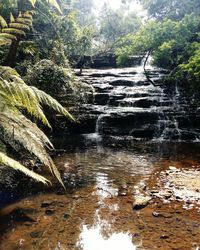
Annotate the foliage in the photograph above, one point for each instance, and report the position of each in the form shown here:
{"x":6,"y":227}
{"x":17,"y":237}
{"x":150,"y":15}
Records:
{"x":190,"y":72}
{"x":171,"y":9}
{"x":115,"y":24}
{"x":167,"y":40}
{"x":15,"y":98}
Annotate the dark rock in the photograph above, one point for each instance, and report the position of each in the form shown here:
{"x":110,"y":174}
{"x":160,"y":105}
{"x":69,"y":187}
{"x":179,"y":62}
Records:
{"x":66,"y":216}
{"x":36,"y":234}
{"x":49,"y":212}
{"x":145,"y":103}
{"x":101,"y":98}
{"x":122,"y":82}
{"x":46,"y":204}
{"x":135,"y":122}
{"x":164,"y":237}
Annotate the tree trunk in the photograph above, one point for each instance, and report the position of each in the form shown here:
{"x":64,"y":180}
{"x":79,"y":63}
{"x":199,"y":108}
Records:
{"x":11,"y":58}
{"x":145,"y":71}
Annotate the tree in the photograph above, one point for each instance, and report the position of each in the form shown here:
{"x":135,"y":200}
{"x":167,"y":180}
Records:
{"x":172,"y":9}
{"x":168,"y":41}
{"x":17,"y":27}
{"x":115,"y":24}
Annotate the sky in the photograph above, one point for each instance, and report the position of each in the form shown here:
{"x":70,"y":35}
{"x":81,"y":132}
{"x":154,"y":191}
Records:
{"x":115,"y":4}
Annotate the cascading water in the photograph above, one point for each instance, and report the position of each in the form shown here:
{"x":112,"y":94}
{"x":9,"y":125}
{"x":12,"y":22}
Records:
{"x":127,"y":104}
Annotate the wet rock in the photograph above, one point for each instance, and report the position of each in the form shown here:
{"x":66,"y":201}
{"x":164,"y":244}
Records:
{"x":101,"y":98}
{"x":141,"y":202}
{"x":155,"y":214}
{"x":49,"y":212}
{"x":122,"y":82}
{"x":145,"y":103}
{"x":139,"y":123}
{"x":46,"y":204}
{"x":36,"y":234}
{"x":122,"y":191}
{"x":61,"y":230}
{"x":162,"y":214}
{"x":164,"y":237}
{"x":66,"y":216}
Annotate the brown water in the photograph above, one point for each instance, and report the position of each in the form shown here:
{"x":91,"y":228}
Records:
{"x":96,"y":212}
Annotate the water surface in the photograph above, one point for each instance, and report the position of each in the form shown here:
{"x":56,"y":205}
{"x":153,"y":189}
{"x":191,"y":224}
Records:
{"x":96,"y":212}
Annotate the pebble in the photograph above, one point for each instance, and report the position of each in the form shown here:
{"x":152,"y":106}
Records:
{"x":46,"y":204}
{"x":49,"y":212}
{"x":66,"y":216}
{"x":36,"y":234}
{"x":164,"y":237}
{"x":141,"y":202}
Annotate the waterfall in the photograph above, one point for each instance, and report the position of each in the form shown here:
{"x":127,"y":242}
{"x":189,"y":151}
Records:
{"x":126,"y":104}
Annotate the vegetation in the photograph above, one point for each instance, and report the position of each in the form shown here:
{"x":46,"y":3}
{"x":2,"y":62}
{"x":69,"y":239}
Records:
{"x":20,"y":103}
{"x":171,"y":36}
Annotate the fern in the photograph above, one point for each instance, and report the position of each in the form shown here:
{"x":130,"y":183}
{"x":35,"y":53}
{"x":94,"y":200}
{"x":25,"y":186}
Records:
{"x":9,"y":162}
{"x":16,"y":96}
{"x":7,"y":36}
{"x":19,"y":26}
{"x":3,"y":23}
{"x":49,"y":101}
{"x":4,"y":41}
{"x":12,"y":31}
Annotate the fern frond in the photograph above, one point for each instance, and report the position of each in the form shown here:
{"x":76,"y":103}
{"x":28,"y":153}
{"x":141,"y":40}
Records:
{"x":12,"y":31}
{"x":32,"y":2}
{"x":9,"y":162}
{"x":24,"y":21}
{"x":27,"y":15}
{"x":15,"y":96}
{"x":5,"y":41}
{"x":49,"y":101}
{"x":55,"y":4}
{"x":6,"y":72}
{"x":3,"y":23}
{"x":18,"y":128}
{"x":19,"y":26}
{"x":7,"y":36}
{"x":23,"y":97}
{"x":12,"y":19}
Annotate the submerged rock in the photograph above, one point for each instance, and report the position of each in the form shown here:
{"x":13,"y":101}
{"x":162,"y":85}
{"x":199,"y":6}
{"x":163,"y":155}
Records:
{"x":141,"y":202}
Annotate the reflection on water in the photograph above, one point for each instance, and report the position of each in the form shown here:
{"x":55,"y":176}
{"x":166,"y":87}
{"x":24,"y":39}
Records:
{"x":97,"y":212}
{"x":92,"y":239}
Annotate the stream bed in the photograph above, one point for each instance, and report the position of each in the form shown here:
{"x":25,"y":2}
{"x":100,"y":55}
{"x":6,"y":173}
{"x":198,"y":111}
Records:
{"x":104,"y":179}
